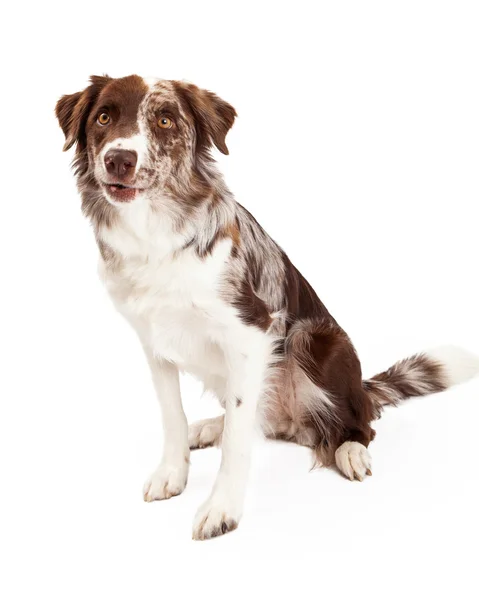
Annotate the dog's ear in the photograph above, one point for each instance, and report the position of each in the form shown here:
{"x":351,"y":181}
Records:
{"x":72,"y":111}
{"x":213,"y":116}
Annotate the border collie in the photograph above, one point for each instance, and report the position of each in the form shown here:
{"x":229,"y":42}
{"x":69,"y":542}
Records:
{"x":210,"y":293}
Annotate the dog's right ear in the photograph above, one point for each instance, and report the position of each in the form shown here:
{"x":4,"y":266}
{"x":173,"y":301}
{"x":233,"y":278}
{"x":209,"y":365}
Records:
{"x":72,"y":111}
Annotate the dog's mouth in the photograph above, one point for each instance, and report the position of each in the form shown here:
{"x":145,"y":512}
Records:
{"x":120,"y":192}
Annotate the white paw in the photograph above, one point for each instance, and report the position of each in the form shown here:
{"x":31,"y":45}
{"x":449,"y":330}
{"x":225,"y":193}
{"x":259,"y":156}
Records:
{"x":353,"y":460}
{"x":206,"y":433}
{"x":165,"y":482}
{"x":215,"y":517}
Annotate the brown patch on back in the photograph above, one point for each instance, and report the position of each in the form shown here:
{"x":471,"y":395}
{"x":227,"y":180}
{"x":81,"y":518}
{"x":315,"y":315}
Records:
{"x":302,"y":302}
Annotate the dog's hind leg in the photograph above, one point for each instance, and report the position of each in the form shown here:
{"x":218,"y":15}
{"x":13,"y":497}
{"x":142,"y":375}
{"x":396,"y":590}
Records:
{"x":330,"y":396}
{"x":205,"y":433}
{"x":353,"y":460}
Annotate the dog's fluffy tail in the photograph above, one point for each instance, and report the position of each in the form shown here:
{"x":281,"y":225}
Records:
{"x":422,"y":374}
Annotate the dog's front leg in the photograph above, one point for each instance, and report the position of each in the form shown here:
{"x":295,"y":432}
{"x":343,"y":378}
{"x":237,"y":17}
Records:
{"x":222,"y":511}
{"x":170,"y":477}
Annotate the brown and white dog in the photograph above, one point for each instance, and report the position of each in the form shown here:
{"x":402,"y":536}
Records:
{"x":210,"y":293}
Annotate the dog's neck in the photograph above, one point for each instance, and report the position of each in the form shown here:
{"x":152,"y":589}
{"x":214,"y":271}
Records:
{"x":163,"y":221}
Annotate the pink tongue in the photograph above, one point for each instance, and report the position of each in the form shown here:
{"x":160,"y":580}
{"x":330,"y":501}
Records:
{"x":113,"y":188}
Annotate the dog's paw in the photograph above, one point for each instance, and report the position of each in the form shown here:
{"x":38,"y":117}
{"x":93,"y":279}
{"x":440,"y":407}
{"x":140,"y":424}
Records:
{"x":353,"y":460}
{"x":206,"y":433}
{"x":215,"y":517}
{"x":165,"y":482}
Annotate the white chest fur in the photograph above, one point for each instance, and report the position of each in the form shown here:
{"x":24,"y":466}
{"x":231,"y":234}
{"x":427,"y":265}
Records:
{"x":173,"y":301}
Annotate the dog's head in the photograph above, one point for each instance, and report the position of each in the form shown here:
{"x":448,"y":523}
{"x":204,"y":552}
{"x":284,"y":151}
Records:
{"x":134,"y":136}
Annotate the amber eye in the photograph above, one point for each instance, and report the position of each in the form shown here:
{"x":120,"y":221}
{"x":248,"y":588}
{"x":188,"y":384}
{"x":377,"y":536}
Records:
{"x":103,"y":119}
{"x":165,"y":123}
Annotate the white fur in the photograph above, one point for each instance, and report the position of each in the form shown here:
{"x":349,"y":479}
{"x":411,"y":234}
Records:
{"x":151,"y":81}
{"x":135,"y":143}
{"x":353,"y":460}
{"x":459,"y":365}
{"x":207,"y":432}
{"x":246,"y":372}
{"x":172,"y":300}
{"x":170,"y":477}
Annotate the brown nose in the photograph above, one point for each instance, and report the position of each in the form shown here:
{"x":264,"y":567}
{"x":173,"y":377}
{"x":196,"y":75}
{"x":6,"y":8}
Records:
{"x":120,"y":163}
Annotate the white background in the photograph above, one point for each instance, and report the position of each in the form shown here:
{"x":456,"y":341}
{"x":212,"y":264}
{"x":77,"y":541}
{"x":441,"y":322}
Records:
{"x":356,"y":147}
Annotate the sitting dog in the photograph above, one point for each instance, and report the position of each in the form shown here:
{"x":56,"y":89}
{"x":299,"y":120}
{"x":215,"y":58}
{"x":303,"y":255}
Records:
{"x":210,"y":293}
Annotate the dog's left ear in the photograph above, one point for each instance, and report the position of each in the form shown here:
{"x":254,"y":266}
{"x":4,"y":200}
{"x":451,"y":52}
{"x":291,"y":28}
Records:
{"x":213,"y":116}
{"x":72,"y":111}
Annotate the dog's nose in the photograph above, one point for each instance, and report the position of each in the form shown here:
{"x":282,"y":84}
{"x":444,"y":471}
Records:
{"x":120,"y":162}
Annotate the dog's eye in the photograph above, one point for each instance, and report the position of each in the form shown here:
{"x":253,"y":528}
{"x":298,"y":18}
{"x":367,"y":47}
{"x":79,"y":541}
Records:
{"x":103,"y":119}
{"x":165,"y":123}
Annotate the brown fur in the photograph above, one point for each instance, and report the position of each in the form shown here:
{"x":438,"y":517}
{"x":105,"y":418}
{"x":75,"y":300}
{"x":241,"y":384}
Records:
{"x":252,"y":310}
{"x":213,"y":117}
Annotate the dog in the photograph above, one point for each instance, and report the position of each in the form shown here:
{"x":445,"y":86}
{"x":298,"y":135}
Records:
{"x":210,"y":293}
